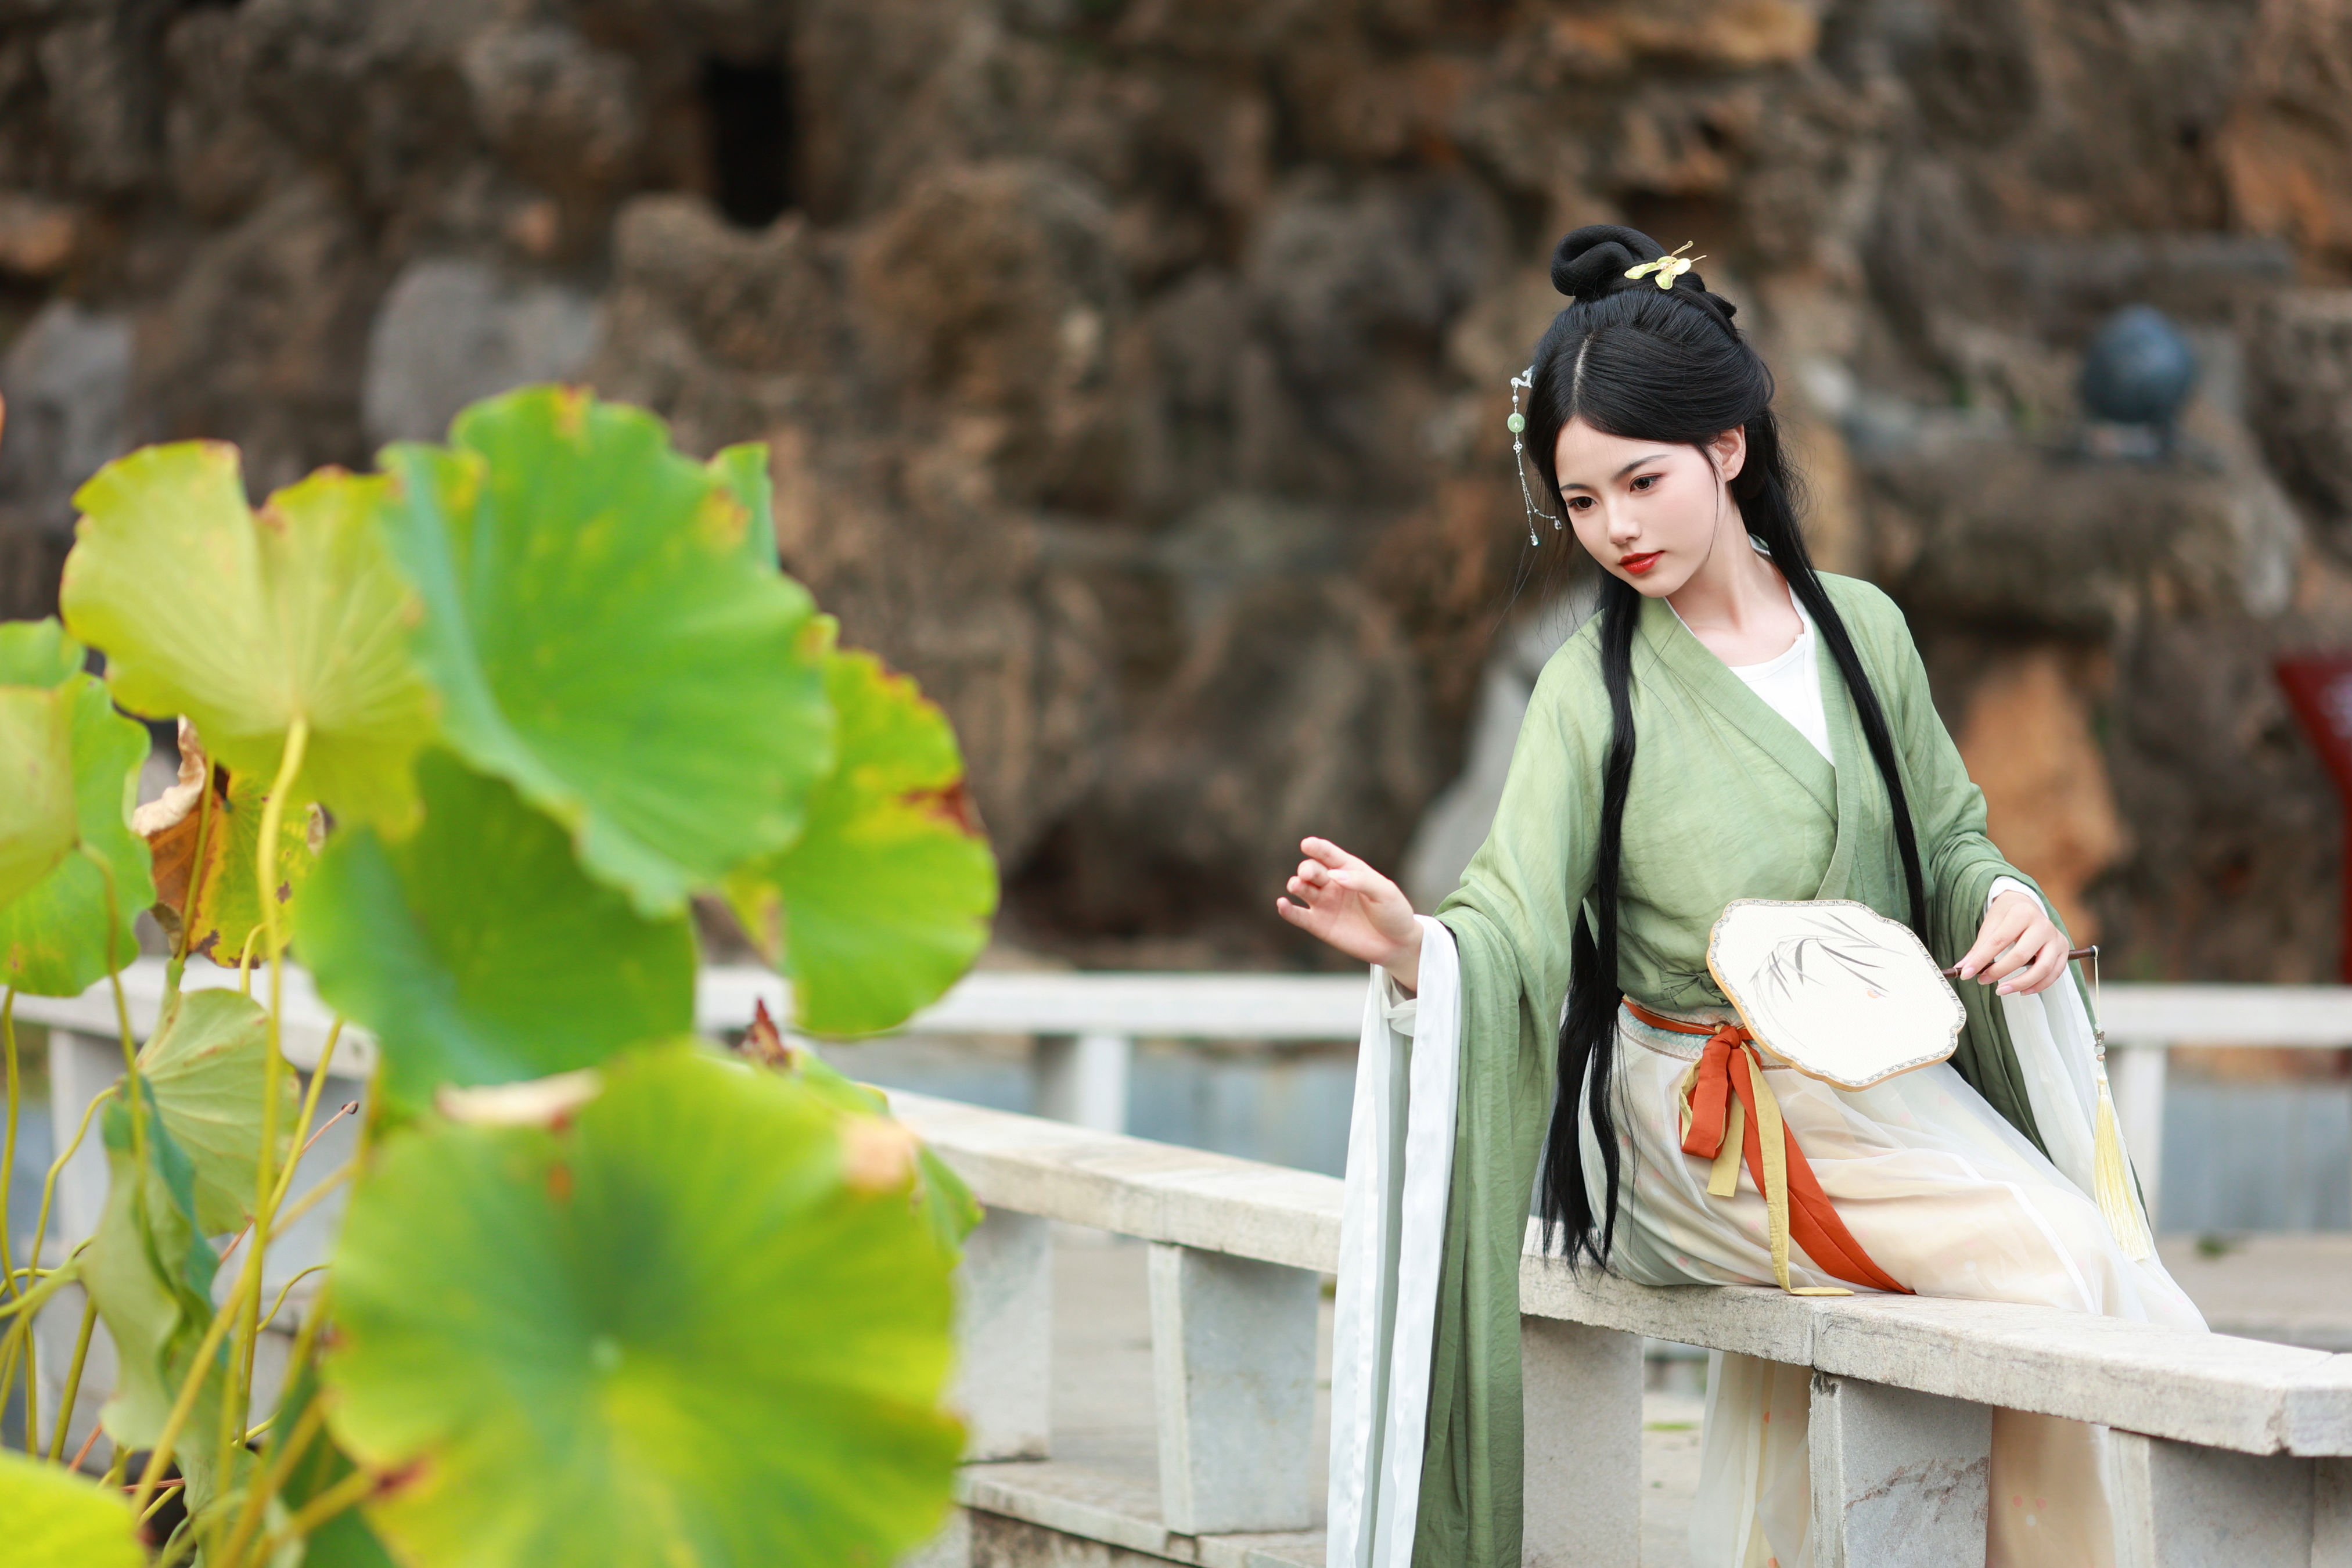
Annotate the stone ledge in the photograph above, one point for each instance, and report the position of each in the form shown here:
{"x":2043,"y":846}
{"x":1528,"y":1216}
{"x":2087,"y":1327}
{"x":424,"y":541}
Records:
{"x":1091,"y":1506}
{"x":2215,"y":1391}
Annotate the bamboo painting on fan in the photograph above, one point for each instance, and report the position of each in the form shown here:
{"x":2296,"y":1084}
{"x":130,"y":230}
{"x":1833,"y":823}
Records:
{"x":1732,"y":725}
{"x":464,"y":737}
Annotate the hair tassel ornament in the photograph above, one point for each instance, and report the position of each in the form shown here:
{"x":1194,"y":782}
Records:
{"x":1514,"y":425}
{"x":1667,"y":268}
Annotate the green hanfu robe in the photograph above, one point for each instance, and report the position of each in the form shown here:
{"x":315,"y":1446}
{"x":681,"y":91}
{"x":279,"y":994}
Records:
{"x":1727,"y":801}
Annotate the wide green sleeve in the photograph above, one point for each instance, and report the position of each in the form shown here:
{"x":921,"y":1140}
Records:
{"x":1511,"y":920}
{"x":1958,"y":861}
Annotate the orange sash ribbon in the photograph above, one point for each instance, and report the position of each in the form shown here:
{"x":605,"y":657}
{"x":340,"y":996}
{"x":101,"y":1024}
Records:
{"x":1726,"y":1071}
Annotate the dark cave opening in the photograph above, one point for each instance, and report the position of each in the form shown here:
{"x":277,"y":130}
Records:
{"x":752,"y":139}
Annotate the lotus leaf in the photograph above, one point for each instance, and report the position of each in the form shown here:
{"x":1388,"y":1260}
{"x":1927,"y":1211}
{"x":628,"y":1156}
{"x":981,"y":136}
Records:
{"x":743,"y":469}
{"x":668,"y":1331}
{"x":57,"y":1518}
{"x":886,"y":898}
{"x":53,"y":939}
{"x":204,"y":1064}
{"x":246,"y":623}
{"x":601,"y":640}
{"x":37,"y":653}
{"x":479,"y":952}
{"x":36,"y":787}
{"x":150,"y":1269}
{"x":947,"y":1204}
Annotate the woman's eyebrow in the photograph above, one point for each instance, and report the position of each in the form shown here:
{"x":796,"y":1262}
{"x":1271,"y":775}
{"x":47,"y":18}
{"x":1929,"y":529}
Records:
{"x":1619,"y":474}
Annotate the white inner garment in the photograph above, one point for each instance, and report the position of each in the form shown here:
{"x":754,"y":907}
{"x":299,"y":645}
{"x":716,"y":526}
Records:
{"x":1792,"y":683}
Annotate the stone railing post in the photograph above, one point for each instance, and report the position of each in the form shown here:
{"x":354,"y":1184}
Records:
{"x":1083,"y":1081}
{"x":1583,"y":1444}
{"x":1899,"y":1478}
{"x":1232,"y":1361}
{"x":1004,"y":1330}
{"x":2181,"y":1506}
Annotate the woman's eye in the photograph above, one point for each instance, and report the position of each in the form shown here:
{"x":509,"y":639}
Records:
{"x":1580,"y":503}
{"x":1645,"y":482}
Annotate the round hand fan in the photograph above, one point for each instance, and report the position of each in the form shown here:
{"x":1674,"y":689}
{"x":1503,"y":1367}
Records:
{"x":1835,"y":988}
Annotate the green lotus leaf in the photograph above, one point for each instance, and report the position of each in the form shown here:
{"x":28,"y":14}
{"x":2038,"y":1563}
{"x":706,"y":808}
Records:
{"x":57,"y":1518}
{"x":36,"y":787}
{"x":53,"y":939}
{"x":479,"y":952}
{"x":38,"y":653}
{"x":601,"y":640}
{"x":743,"y":469}
{"x":246,"y":623}
{"x":948,"y":1207}
{"x":204,"y":1064}
{"x":670,"y":1332}
{"x":886,"y":898}
{"x":150,"y":1269}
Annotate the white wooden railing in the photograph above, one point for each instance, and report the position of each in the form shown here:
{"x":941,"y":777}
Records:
{"x":2230,"y":1451}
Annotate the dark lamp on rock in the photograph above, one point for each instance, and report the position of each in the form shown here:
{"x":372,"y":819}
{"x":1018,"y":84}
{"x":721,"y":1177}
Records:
{"x":2139,"y":370}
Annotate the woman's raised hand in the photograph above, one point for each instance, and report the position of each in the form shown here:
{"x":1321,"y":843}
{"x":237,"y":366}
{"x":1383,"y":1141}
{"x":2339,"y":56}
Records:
{"x":1355,"y":909}
{"x":2018,"y":945}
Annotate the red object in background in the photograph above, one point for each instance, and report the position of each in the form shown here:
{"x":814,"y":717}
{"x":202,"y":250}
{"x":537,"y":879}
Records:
{"x":2319,"y":687}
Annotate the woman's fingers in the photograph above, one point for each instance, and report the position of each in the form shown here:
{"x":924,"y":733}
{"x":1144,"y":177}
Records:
{"x":2049,"y":963}
{"x":1325,"y":851}
{"x":2004,"y":923}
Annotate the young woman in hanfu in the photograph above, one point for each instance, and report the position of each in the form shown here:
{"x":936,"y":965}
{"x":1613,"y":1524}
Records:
{"x":1730,"y":724}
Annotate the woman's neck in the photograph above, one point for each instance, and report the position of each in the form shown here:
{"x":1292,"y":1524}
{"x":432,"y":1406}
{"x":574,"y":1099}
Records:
{"x":1737,"y":603}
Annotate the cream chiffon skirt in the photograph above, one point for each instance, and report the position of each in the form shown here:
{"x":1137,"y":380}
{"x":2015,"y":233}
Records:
{"x":1946,"y":1197}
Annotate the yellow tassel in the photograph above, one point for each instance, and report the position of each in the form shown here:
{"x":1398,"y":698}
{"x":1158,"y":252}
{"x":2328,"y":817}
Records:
{"x":2111,"y":1179}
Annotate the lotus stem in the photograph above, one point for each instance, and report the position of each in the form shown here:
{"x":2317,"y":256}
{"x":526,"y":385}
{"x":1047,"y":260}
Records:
{"x":8,"y":1144}
{"x":273,"y":1065}
{"x":73,"y":1384}
{"x":283,"y":1457}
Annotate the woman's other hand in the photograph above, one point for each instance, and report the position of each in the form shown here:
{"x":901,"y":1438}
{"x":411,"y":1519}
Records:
{"x":1355,"y":909}
{"x":2018,"y":945}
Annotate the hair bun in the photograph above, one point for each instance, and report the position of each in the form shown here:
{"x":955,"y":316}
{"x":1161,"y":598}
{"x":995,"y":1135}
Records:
{"x":1591,"y":264}
{"x":1591,"y":261}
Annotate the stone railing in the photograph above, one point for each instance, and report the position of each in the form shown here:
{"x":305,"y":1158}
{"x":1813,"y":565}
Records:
{"x":2229,"y":1452}
{"x":2230,"y":1449}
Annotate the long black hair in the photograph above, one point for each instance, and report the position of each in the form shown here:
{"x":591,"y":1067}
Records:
{"x":1631,"y":359}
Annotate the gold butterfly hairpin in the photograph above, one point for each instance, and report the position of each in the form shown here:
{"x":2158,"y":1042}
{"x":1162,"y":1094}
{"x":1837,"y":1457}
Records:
{"x":1667,"y":267}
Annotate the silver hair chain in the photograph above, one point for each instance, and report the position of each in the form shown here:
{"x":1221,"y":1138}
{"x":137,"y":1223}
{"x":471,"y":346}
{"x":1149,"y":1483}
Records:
{"x":1516,"y":424}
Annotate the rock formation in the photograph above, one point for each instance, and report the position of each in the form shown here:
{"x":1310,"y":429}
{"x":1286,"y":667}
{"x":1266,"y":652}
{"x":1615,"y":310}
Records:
{"x":1134,"y":370}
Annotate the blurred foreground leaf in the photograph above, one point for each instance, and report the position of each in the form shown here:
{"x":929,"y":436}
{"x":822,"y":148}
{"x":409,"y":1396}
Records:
{"x":245,"y":623}
{"x":53,"y":930}
{"x":670,"y":1331}
{"x":886,"y":897}
{"x":949,"y":1209}
{"x":601,"y":640}
{"x":479,"y":952}
{"x":55,"y":1518}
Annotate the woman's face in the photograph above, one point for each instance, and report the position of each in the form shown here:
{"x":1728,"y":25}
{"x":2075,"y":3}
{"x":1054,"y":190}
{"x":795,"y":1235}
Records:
{"x":1649,"y":511}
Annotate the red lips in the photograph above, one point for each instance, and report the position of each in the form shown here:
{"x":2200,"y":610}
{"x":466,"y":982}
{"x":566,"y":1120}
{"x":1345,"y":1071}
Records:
{"x":1634,"y":565}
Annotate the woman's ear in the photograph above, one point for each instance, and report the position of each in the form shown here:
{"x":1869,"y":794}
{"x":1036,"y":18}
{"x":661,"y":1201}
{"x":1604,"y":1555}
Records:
{"x":1730,"y":452}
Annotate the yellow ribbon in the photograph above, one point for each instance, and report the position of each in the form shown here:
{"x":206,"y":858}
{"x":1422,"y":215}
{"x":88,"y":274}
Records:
{"x":1723,"y":1178}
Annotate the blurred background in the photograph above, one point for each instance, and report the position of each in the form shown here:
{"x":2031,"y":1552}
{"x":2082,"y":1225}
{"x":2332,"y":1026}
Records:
{"x":1135,"y":372}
